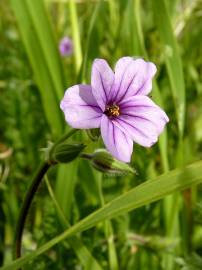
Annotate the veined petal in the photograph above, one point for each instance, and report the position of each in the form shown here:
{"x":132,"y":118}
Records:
{"x":80,"y":107}
{"x":142,"y":119}
{"x":117,"y":142}
{"x":132,"y":77}
{"x":102,"y":79}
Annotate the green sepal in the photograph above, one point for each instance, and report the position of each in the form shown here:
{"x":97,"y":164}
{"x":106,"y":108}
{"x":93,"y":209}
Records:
{"x":93,"y":134}
{"x":64,"y":153}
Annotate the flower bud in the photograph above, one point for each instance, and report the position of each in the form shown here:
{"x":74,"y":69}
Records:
{"x":64,"y":153}
{"x":104,"y":162}
{"x":66,"y":46}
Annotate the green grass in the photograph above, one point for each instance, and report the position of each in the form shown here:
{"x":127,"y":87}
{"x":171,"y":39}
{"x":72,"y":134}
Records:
{"x":80,"y":217}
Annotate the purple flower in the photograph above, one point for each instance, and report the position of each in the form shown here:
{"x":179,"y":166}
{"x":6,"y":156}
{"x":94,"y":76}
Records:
{"x":117,"y":103}
{"x":66,"y":46}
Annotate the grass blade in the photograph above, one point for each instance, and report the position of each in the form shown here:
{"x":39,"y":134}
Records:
{"x":86,"y":258}
{"x":113,"y":262}
{"x":175,"y":73}
{"x":172,"y":59}
{"x":139,"y":49}
{"x":88,"y":38}
{"x":39,"y":62}
{"x":45,"y":35}
{"x":64,"y":186}
{"x":143,"y":194}
{"x":76,"y":35}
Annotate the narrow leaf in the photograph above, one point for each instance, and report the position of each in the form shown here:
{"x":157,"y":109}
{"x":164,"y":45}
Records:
{"x":143,"y":194}
{"x":172,"y":59}
{"x":31,"y":35}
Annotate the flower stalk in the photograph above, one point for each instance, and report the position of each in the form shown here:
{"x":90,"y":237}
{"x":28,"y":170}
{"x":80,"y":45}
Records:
{"x":42,"y":170}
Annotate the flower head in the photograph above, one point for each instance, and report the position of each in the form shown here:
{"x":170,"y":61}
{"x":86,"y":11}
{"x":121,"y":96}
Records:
{"x":117,"y":103}
{"x":66,"y":46}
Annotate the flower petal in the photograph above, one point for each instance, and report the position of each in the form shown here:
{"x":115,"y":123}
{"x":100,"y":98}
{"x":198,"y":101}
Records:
{"x":117,"y":142}
{"x":142,"y":119}
{"x":102,"y":79}
{"x":80,"y":107}
{"x":132,"y":77}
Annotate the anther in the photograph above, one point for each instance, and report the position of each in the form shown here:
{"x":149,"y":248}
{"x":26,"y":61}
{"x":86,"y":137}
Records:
{"x":112,"y":110}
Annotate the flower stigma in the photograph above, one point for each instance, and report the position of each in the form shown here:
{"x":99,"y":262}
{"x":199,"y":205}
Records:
{"x":112,"y":110}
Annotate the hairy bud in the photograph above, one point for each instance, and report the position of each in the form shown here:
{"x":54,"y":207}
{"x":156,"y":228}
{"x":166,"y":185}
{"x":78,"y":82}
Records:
{"x":104,"y":162}
{"x":64,"y":153}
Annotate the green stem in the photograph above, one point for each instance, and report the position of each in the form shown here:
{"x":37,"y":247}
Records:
{"x":82,"y":252}
{"x":61,"y":215}
{"x":64,"y":138}
{"x":113,"y":261}
{"x":42,"y":170}
{"x":99,"y":184}
{"x":86,"y":156}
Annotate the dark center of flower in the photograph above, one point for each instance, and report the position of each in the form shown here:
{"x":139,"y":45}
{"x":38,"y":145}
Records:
{"x":112,"y":110}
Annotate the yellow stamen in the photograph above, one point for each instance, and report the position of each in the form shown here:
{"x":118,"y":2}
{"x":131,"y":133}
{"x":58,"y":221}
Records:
{"x":112,"y":110}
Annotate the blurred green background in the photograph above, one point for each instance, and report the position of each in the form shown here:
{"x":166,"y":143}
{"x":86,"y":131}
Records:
{"x":33,"y":77}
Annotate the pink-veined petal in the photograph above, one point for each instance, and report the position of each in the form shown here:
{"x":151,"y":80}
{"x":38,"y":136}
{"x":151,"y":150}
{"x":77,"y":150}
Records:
{"x":132,"y":77}
{"x":142,"y":119}
{"x":117,"y":142}
{"x":102,"y":79}
{"x":80,"y":107}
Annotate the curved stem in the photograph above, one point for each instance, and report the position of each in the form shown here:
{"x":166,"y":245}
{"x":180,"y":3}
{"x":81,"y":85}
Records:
{"x":26,"y":205}
{"x":43,"y":168}
{"x":86,"y":156}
